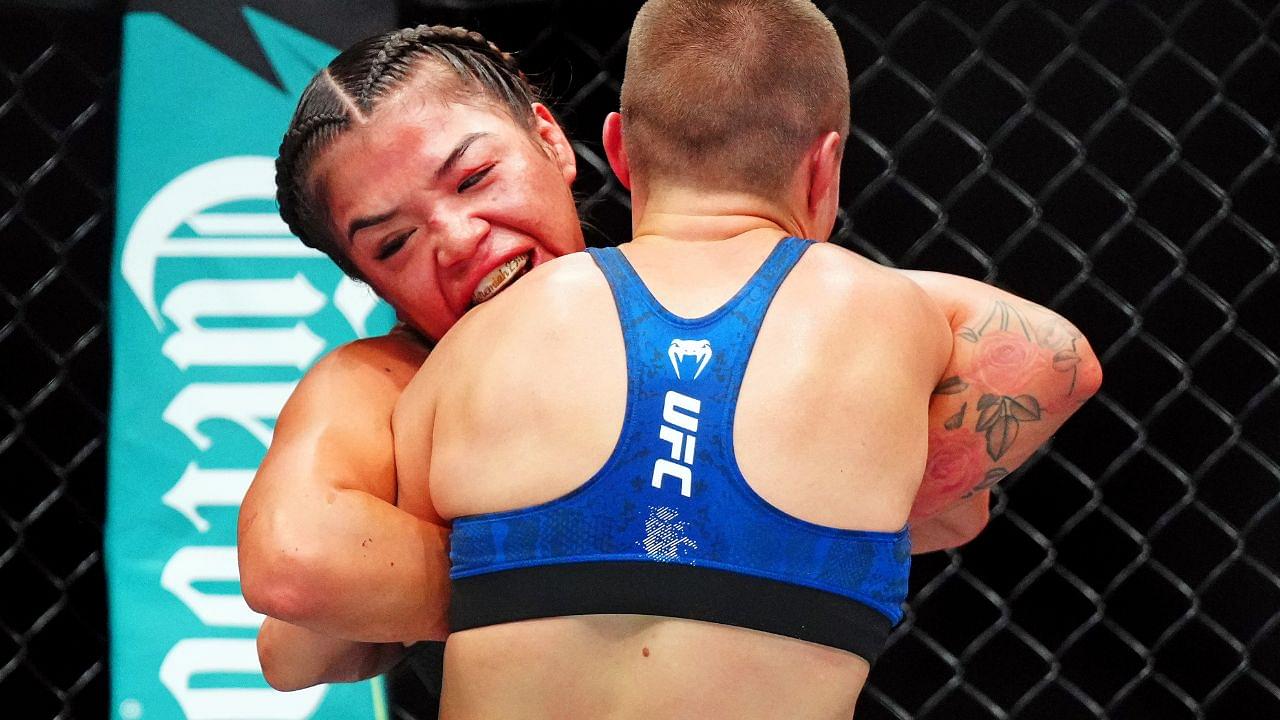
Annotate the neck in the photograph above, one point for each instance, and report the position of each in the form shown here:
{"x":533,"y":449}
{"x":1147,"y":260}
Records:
{"x":697,"y":215}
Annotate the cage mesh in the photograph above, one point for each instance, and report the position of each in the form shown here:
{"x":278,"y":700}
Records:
{"x":1113,"y":160}
{"x":57,"y":140}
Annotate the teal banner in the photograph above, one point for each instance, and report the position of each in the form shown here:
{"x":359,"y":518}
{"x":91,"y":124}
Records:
{"x":216,"y":313}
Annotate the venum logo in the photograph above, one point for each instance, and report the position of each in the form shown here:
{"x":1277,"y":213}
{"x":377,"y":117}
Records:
{"x":699,"y":350}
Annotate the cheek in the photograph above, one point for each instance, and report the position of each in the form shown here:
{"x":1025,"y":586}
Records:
{"x":409,"y":286}
{"x":541,"y":206}
{"x":559,"y":216}
{"x":421,"y":304}
{"x":416,"y":283}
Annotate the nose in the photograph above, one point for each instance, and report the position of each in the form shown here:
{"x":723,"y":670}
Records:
{"x":459,"y":237}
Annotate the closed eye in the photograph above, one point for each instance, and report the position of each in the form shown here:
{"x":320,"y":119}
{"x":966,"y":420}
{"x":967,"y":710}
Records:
{"x":474,"y":178}
{"x":392,"y":246}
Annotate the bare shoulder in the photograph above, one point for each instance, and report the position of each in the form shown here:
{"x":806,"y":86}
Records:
{"x":551,"y":296}
{"x":897,"y":306}
{"x":555,"y":287}
{"x":396,"y":355}
{"x":947,"y":284}
{"x":356,"y":375}
{"x":849,"y":276}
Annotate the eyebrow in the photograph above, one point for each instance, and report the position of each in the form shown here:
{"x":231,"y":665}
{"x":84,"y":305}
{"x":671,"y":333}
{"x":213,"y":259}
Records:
{"x":361,"y":223}
{"x":458,"y":151}
{"x":449,"y":162}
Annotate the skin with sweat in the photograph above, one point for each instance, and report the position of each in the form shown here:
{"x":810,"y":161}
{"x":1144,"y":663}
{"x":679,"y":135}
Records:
{"x":326,"y":511}
{"x":441,"y":194}
{"x":834,"y":435}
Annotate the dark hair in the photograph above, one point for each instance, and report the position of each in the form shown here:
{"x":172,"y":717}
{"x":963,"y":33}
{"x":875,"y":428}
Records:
{"x":351,"y":87}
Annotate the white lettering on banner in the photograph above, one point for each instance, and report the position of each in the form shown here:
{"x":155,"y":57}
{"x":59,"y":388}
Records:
{"x":356,"y":302}
{"x":208,"y":564}
{"x":189,"y":658}
{"x":184,"y":202}
{"x":241,"y":224}
{"x":205,"y":488}
{"x":257,"y":347}
{"x":245,"y":404}
{"x":215,"y":183}
{"x":248,"y":323}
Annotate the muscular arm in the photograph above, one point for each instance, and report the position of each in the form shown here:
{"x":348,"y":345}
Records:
{"x":294,"y":657}
{"x":322,"y":543}
{"x":1017,"y":372}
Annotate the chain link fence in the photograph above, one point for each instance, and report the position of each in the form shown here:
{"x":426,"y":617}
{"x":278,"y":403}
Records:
{"x":58,"y":75}
{"x":1114,"y":160}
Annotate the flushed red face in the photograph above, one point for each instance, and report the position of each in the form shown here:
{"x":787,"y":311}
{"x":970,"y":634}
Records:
{"x":442,"y":205}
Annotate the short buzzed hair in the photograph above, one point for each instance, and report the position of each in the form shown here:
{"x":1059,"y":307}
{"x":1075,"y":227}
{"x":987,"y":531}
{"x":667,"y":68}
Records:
{"x":730,"y":93}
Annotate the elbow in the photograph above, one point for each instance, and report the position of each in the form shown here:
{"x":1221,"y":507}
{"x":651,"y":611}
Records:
{"x":280,"y":583}
{"x":281,"y":573}
{"x":1088,"y":373}
{"x":961,"y":536}
{"x":276,"y":672}
{"x":1091,"y":377}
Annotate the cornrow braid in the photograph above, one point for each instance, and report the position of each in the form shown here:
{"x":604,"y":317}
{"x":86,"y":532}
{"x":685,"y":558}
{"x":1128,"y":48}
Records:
{"x":403,"y":46}
{"x":296,"y":141}
{"x":347,"y":92}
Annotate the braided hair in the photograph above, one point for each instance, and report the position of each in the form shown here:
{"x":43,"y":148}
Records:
{"x":351,"y":87}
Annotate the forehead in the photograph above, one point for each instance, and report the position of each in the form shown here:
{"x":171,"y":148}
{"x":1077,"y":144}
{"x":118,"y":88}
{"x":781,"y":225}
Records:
{"x":371,"y":163}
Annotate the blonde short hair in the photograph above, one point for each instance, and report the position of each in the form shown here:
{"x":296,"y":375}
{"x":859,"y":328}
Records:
{"x":730,"y":93}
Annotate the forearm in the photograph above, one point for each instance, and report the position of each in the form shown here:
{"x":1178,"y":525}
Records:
{"x":294,"y":657}
{"x":350,"y":566}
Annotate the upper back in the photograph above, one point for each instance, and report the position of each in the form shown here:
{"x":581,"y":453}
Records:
{"x":830,"y":422}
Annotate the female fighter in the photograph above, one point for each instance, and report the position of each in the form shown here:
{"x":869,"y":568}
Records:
{"x":422,"y":164}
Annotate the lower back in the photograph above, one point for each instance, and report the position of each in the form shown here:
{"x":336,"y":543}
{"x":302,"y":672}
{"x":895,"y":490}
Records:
{"x":620,"y":667}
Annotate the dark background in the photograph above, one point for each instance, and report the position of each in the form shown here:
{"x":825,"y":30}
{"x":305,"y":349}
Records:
{"x":1113,"y":160}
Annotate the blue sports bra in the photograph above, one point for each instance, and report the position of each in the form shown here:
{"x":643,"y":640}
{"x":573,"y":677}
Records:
{"x":669,"y":526}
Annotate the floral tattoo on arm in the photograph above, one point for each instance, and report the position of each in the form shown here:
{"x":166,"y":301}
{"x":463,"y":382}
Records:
{"x":1012,"y":358}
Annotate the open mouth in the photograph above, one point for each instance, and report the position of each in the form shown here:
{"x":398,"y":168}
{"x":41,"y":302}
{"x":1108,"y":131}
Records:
{"x":501,"y":278}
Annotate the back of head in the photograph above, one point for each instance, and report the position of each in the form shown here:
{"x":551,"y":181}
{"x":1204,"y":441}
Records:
{"x":729,"y":94}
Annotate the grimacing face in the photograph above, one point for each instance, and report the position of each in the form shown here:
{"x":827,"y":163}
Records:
{"x":440,"y":205}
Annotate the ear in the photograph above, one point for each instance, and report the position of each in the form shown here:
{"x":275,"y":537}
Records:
{"x":616,"y":150}
{"x":824,"y":174}
{"x":550,"y":133}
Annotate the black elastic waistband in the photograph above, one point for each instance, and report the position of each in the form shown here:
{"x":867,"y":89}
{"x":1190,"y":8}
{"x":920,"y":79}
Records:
{"x":668,"y":590}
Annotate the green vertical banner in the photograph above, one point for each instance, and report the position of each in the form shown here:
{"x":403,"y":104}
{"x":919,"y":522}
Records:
{"x":216,"y":313}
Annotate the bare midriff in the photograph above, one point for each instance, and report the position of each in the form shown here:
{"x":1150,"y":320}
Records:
{"x":638,"y":667}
